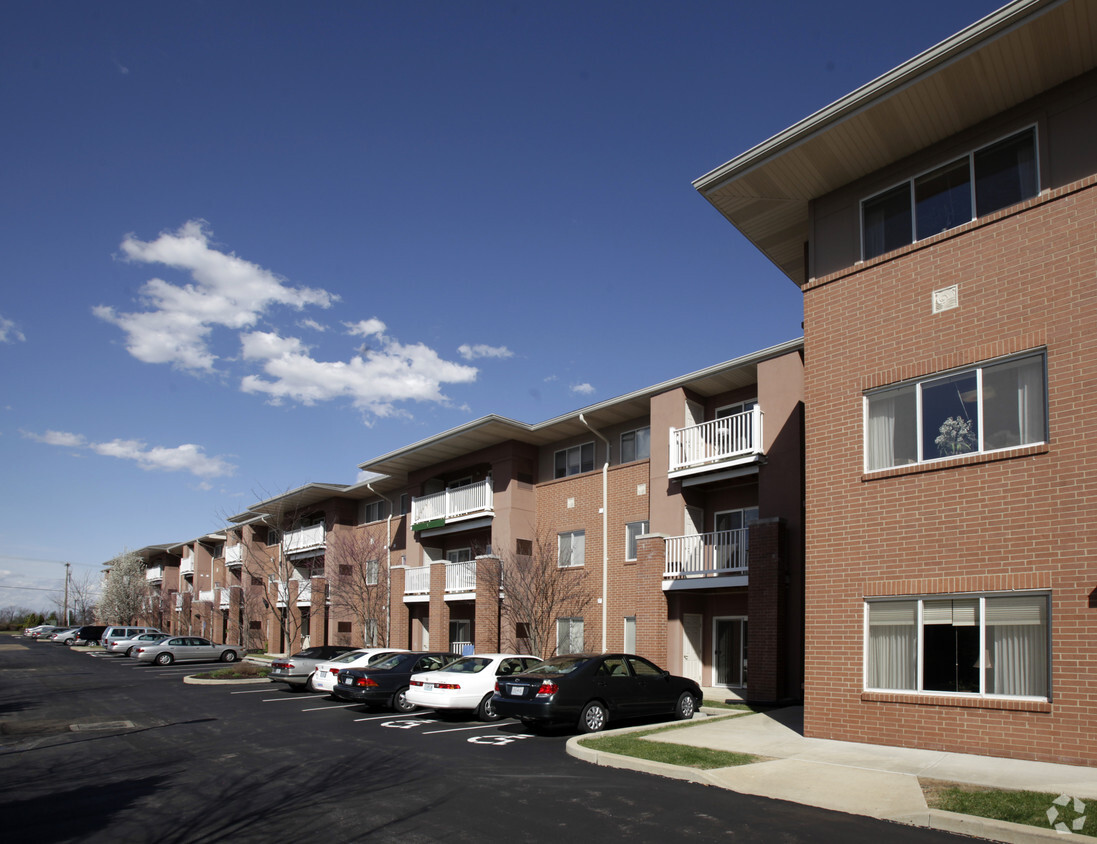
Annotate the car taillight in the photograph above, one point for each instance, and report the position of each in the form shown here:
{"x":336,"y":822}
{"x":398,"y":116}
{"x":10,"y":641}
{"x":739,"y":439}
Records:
{"x":547,"y":689}
{"x":365,"y":681}
{"x":334,"y":671}
{"x":448,"y":686}
{"x":140,"y":650}
{"x":417,"y":683}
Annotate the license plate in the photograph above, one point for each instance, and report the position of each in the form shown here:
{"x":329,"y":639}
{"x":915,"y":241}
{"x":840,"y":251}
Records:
{"x":427,"y":687}
{"x":518,"y":691}
{"x":345,"y":681}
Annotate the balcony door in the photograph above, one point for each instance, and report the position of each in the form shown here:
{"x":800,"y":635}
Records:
{"x":729,"y":652}
{"x":730,"y":541}
{"x":691,"y":645}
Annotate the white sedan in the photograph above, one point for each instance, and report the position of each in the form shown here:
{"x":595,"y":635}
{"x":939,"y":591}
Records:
{"x":325,"y":675}
{"x":468,"y":683}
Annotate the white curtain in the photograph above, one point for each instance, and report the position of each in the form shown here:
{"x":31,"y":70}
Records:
{"x":1030,"y":401}
{"x":881,"y":431}
{"x":892,"y":645}
{"x":1016,"y":637}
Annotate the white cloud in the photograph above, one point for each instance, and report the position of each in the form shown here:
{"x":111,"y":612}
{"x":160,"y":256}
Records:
{"x":227,"y":291}
{"x":584,"y":388}
{"x":9,"y":331}
{"x":373,"y":380}
{"x":365,"y":327}
{"x":481,"y":351}
{"x":182,"y":458}
{"x":313,"y":324}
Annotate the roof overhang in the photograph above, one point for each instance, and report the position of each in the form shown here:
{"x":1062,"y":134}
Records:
{"x":1012,"y":55}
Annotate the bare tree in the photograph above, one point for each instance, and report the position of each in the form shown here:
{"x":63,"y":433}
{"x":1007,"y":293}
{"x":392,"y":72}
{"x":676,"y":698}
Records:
{"x":125,"y":595}
{"x":83,"y":592}
{"x":359,"y":584}
{"x":538,"y":589}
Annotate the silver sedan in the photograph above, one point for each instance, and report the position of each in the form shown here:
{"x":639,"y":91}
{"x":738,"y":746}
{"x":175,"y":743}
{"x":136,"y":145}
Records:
{"x":184,"y":648}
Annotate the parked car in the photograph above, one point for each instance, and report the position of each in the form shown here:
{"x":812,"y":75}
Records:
{"x":41,"y":630}
{"x":112,"y":634}
{"x":468,"y":683}
{"x":187,"y":648}
{"x":591,"y":689}
{"x":89,"y":634}
{"x":295,"y":670}
{"x":63,"y":636}
{"x":325,"y":674}
{"x":385,"y":683}
{"x":129,"y":646}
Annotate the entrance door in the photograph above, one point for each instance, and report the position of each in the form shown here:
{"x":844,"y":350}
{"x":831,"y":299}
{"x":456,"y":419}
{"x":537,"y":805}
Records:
{"x":729,"y":646}
{"x":691,"y":646}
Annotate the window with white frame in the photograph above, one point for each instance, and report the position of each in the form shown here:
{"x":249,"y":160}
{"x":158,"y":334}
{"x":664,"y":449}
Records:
{"x":736,"y":409}
{"x":372,"y":511}
{"x":373,"y":572}
{"x":370,"y":631}
{"x":973,"y":185}
{"x":991,"y":645}
{"x":574,"y":460}
{"x":630,"y":634}
{"x":459,"y":555}
{"x":633,"y":530}
{"x":569,"y":635}
{"x":572,"y":549}
{"x":636,"y":445}
{"x":986,"y":408}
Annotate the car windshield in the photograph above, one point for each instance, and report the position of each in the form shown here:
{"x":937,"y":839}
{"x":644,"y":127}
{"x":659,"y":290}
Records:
{"x":392,"y":662}
{"x":560,"y":665}
{"x":310,"y":653}
{"x":349,"y":656}
{"x":468,"y":665}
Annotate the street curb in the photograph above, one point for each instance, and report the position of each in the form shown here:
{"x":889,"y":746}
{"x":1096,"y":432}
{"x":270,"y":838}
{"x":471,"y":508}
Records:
{"x":195,"y":681}
{"x":995,"y":830}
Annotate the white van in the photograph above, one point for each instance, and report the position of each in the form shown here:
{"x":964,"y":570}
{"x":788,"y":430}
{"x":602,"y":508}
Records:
{"x":113,"y":634}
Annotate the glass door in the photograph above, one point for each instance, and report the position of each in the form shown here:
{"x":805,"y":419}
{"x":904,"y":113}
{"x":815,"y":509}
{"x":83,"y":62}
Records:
{"x":729,"y":644}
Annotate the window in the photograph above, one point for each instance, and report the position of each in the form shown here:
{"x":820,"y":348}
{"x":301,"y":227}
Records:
{"x":630,"y":634}
{"x":369,"y":633}
{"x":632,"y":531}
{"x":372,"y":511}
{"x":460,"y":631}
{"x":572,"y":549}
{"x":736,"y":409}
{"x":344,"y":627}
{"x":459,"y":555}
{"x":404,"y":506}
{"x":373,"y":571}
{"x":970,"y":644}
{"x":993,"y":406}
{"x":991,"y":178}
{"x":636,"y":445}
{"x":569,"y":635}
{"x":572,"y":461}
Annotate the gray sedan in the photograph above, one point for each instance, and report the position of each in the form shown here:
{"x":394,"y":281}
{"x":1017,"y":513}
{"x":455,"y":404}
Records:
{"x":183,"y":648}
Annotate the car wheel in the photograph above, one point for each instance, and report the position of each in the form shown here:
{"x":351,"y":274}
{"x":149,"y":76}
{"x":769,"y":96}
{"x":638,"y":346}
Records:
{"x":400,"y":701}
{"x":593,"y":718}
{"x":228,"y":656}
{"x":164,"y":659}
{"x":486,"y":710}
{"x":129,"y":651}
{"x":70,"y":641}
{"x":686,"y":706}
{"x":309,"y":685}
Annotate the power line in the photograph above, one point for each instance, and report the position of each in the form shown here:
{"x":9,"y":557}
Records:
{"x":57,"y":562}
{"x":31,"y":588}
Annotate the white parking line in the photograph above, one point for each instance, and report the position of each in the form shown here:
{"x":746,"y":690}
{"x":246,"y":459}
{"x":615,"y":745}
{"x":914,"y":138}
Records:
{"x":276,"y":699}
{"x":251,"y":692}
{"x":391,"y":717}
{"x":491,"y":726}
{"x":337,"y":706}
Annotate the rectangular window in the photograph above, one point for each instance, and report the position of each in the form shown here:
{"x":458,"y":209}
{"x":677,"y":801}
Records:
{"x":976,"y":645}
{"x":344,"y":627}
{"x":372,"y":511}
{"x":369,"y":633}
{"x":572,"y":549}
{"x":636,"y":445}
{"x":632,"y":531}
{"x":459,"y":555}
{"x":569,"y":635}
{"x":630,"y":634}
{"x":404,"y":506}
{"x":986,"y":180}
{"x":993,"y":406}
{"x":574,"y":460}
{"x":373,"y":571}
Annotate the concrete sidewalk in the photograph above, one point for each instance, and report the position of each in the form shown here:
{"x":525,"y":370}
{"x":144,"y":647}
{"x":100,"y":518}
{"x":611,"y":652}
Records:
{"x":861,"y":779}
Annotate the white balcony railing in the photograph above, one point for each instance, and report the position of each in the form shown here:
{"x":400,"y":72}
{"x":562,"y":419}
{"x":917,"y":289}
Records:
{"x":179,"y":600}
{"x":304,"y":592}
{"x":459,"y":647}
{"x":234,"y":555}
{"x":205,"y":595}
{"x":186,"y":565}
{"x":417,"y":581}
{"x":452,"y":503}
{"x":716,"y":553}
{"x":303,"y":539}
{"x":716,"y":441}
{"x":461,"y":577}
{"x":226,"y":600}
{"x":154,"y":573}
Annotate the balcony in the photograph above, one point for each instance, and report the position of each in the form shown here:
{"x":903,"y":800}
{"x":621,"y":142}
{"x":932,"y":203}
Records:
{"x":451,"y":504}
{"x":460,"y":577}
{"x":712,"y":445}
{"x":186,"y":566}
{"x":179,"y":600}
{"x":417,"y":581}
{"x":304,"y":592}
{"x":234,"y":555}
{"x":154,"y":574}
{"x":205,"y":595}
{"x":304,"y":539}
{"x":715,"y":554}
{"x":226,"y":599}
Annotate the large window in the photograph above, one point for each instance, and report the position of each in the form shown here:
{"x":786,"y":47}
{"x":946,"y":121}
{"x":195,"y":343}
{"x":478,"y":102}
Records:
{"x":372,"y":511}
{"x":990,"y":178}
{"x":632,"y":531}
{"x":969,"y":644}
{"x":569,"y":635}
{"x":993,"y":406}
{"x":572,"y":549}
{"x":572,"y":461}
{"x":636,"y":445}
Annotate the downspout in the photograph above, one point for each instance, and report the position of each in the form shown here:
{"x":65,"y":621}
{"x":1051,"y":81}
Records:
{"x":388,"y":566}
{"x":605,"y":528}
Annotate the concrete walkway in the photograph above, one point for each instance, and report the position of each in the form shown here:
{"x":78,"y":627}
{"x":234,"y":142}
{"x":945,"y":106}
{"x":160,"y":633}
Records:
{"x":861,"y":779}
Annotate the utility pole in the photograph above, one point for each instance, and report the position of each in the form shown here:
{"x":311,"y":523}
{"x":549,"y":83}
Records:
{"x":68,"y":568}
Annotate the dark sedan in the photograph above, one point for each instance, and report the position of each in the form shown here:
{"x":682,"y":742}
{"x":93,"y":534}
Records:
{"x":591,"y":689}
{"x":385,"y":683}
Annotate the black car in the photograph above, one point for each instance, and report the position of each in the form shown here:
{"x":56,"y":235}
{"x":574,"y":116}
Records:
{"x":591,"y":689}
{"x":89,"y":634}
{"x":385,"y":683}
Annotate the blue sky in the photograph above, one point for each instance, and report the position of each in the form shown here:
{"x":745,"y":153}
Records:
{"x":250,"y":245}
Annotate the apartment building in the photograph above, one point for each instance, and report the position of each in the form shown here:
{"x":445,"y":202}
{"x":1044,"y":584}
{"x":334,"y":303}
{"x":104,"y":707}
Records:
{"x":941,"y":223}
{"x":673,"y":514}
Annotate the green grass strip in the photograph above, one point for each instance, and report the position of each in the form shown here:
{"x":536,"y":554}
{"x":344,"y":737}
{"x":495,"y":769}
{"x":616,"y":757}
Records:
{"x":1024,"y":807}
{"x":688,"y":756}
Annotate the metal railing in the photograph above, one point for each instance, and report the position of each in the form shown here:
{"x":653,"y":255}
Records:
{"x":303,"y":539}
{"x":304,"y":592}
{"x":715,"y":553}
{"x":186,"y":565}
{"x":154,"y":573}
{"x":713,"y":442}
{"x":461,"y":577}
{"x":453,"y":502}
{"x":234,"y":555}
{"x":417,"y":581}
{"x":205,"y":595}
{"x":459,"y":647}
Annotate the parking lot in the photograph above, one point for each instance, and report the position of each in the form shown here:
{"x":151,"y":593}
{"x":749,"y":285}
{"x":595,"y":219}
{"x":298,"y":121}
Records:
{"x":101,"y":749}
